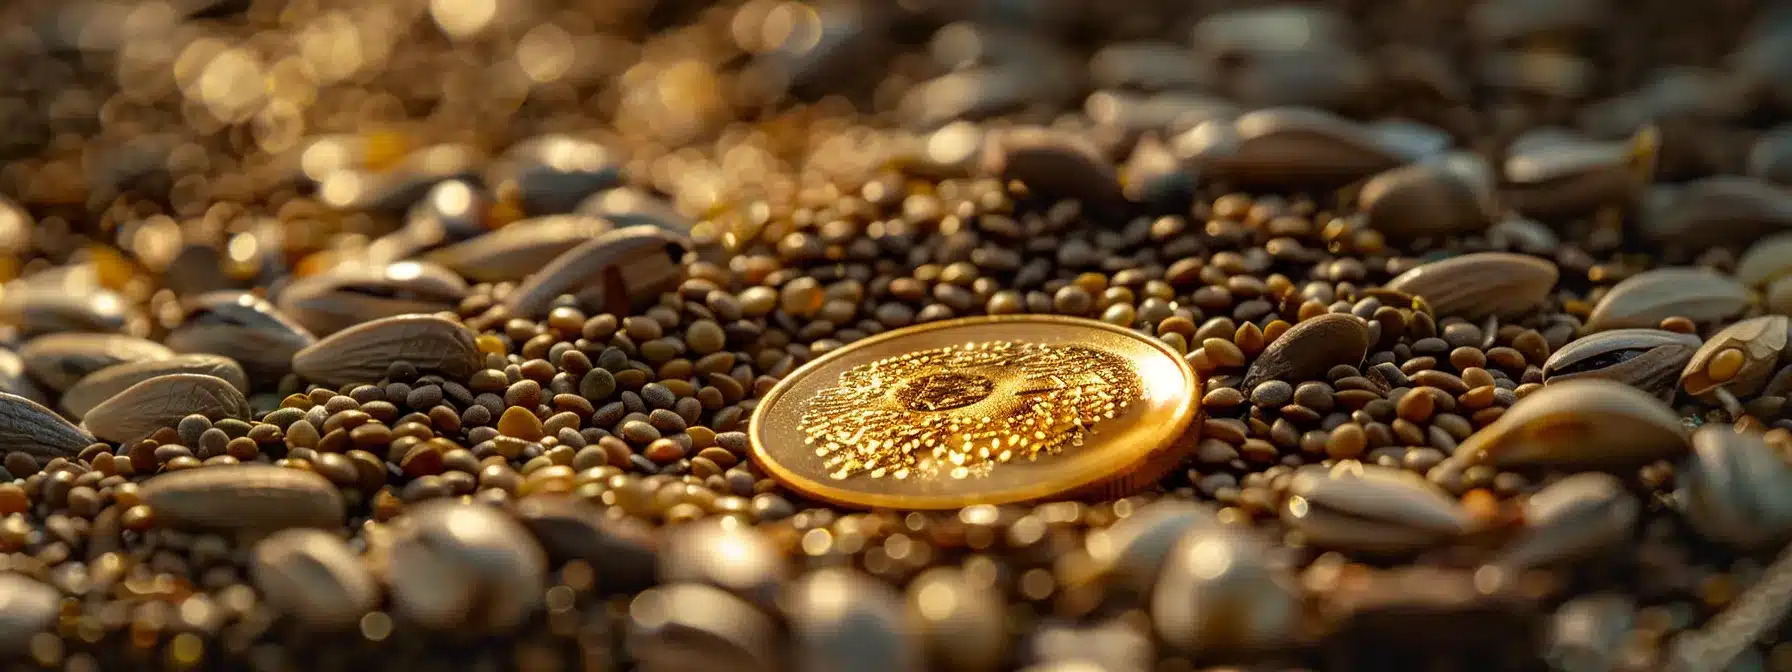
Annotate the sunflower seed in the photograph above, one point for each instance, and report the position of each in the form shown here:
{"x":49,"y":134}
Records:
{"x":1647,"y":359}
{"x":1740,"y":358}
{"x":355,"y":294}
{"x":1372,"y":509}
{"x":1475,"y":286}
{"x":1645,"y":299}
{"x":1221,"y":594}
{"x":243,"y":327}
{"x":27,"y":427}
{"x":244,"y":497}
{"x":465,"y":566}
{"x":838,"y":614}
{"x":1310,"y":349}
{"x":515,"y":251}
{"x":689,"y":626}
{"x":612,"y":273}
{"x":1586,"y":424}
{"x":1572,"y":519}
{"x":59,"y":360}
{"x":363,"y":352}
{"x":315,"y":577}
{"x":1736,"y":489}
{"x":162,"y":401}
{"x":103,"y":384}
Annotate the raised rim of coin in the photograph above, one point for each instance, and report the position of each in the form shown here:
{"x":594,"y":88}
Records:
{"x":1112,"y":456}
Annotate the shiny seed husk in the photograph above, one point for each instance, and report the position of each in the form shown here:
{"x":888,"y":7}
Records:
{"x":1220,"y":593}
{"x":1449,"y":195}
{"x":315,"y":577}
{"x":103,"y":384}
{"x":27,"y":427}
{"x":31,"y":608}
{"x":1645,"y":299}
{"x":243,"y":327}
{"x":1767,"y":260}
{"x":615,"y":273}
{"x":1736,"y":488}
{"x":13,"y":379}
{"x":1475,"y":286}
{"x":1311,"y":348}
{"x":60,"y":360}
{"x":1740,"y":358}
{"x":365,"y":351}
{"x":465,"y":566}
{"x":1572,"y":519}
{"x":838,"y":615}
{"x":244,"y":497}
{"x":1133,"y":550}
{"x":1587,"y":424}
{"x":1647,"y":359}
{"x":515,"y":251}
{"x":162,"y":401}
{"x":355,"y":294}
{"x":690,"y":626}
{"x":1372,"y":509}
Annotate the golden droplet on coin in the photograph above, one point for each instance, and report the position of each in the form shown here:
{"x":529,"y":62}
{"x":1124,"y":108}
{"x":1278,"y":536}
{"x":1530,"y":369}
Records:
{"x":982,"y":410}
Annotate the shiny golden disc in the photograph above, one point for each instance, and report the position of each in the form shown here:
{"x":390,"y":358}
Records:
{"x":981,"y":410}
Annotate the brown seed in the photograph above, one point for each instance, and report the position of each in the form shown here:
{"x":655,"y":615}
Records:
{"x":29,"y":429}
{"x":1346,"y":442}
{"x":612,"y":273}
{"x":315,"y":577}
{"x":1474,"y":286}
{"x":1645,"y":299}
{"x":1311,"y":348}
{"x":163,"y":401}
{"x":60,"y":360}
{"x":364,"y":352}
{"x":244,"y":497}
{"x":100,"y":385}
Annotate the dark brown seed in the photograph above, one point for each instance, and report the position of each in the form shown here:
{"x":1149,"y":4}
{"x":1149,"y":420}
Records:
{"x":1311,"y":348}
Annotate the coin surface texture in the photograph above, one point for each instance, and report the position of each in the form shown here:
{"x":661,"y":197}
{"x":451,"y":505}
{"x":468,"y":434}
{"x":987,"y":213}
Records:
{"x":982,"y":410}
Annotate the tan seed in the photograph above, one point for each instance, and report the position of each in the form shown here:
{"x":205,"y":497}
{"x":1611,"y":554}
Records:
{"x":1725,"y":365}
{"x":520,"y":423}
{"x":161,"y":402}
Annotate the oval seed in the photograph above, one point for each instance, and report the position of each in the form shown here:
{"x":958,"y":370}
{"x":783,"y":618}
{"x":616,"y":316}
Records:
{"x":255,"y":497}
{"x":161,"y":402}
{"x":364,"y":352}
{"x":1580,"y":424}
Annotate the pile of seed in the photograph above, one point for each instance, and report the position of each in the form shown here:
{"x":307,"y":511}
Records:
{"x":425,"y":334}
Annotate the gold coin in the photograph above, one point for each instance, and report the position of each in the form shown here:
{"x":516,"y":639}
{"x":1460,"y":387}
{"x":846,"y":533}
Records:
{"x":981,"y":410}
